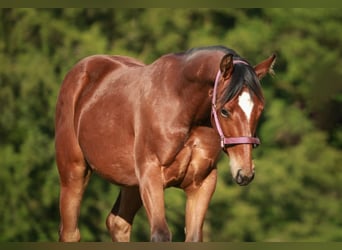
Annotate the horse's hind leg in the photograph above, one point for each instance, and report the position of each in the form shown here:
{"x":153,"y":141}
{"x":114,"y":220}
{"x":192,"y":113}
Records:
{"x":74,"y":175}
{"x":120,"y":219}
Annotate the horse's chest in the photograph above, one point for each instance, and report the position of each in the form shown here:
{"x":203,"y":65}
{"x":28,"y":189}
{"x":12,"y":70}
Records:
{"x":189,"y":168}
{"x":174,"y":173}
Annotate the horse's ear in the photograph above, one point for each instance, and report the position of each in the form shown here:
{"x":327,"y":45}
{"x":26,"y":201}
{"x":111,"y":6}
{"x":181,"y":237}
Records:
{"x":226,"y":65}
{"x":265,"y":67}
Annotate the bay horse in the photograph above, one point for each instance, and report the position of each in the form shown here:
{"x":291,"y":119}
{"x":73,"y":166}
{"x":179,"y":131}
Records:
{"x":149,"y":127}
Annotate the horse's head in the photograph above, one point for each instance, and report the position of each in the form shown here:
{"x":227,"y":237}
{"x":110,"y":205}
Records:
{"x":237,"y":106}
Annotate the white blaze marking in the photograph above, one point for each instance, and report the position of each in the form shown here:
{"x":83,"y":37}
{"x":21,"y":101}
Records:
{"x":246,"y":104}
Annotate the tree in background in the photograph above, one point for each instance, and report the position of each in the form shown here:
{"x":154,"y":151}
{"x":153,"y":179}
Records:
{"x":297,"y":190}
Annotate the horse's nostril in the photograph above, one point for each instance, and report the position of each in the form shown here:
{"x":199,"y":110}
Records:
{"x":239,"y":177}
{"x":243,"y":179}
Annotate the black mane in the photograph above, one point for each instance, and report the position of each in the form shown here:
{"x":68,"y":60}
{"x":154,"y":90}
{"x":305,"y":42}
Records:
{"x":214,"y":48}
{"x":243,"y":75}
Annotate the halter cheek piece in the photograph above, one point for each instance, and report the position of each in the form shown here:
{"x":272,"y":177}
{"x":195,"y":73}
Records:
{"x":229,"y":141}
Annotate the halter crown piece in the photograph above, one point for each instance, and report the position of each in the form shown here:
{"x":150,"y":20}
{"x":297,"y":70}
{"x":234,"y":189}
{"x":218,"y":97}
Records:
{"x":229,"y":141}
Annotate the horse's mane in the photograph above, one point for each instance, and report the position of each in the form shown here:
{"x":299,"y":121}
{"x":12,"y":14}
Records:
{"x":243,"y":75}
{"x":212,"y":48}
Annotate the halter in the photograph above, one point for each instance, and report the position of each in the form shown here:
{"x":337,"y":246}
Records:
{"x":229,"y":141}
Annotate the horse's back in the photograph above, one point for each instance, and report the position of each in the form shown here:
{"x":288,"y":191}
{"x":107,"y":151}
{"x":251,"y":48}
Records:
{"x":89,"y":70}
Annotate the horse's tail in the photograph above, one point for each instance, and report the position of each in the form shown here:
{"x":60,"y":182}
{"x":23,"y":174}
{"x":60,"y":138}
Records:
{"x":71,"y":89}
{"x":66,"y":141}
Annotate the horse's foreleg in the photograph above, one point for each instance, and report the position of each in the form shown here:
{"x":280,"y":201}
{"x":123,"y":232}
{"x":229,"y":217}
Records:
{"x":73,"y":183}
{"x":198,"y":198}
{"x":152,"y":195}
{"x":119,"y":221}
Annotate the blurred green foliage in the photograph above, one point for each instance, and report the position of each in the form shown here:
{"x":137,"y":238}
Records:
{"x":297,"y":192}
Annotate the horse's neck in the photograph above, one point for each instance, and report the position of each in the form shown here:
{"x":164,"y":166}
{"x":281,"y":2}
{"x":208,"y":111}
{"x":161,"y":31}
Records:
{"x":202,"y":66}
{"x":192,"y":77}
{"x":201,"y":69}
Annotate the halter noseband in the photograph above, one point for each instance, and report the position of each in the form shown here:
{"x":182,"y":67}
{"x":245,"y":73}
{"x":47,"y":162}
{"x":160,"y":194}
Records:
{"x":229,"y":141}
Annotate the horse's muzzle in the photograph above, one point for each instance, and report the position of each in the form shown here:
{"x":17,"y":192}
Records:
{"x":243,"y":179}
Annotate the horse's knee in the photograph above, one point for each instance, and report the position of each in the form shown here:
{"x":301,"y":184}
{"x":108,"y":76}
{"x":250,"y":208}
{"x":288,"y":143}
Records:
{"x":119,"y":229}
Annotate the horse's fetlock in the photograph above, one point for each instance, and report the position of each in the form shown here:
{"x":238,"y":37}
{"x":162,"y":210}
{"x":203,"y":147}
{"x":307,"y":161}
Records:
{"x":161,"y":235}
{"x":74,"y":236}
{"x":119,"y":229}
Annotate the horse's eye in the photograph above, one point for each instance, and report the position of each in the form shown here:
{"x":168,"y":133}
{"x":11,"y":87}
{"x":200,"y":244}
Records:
{"x":224,"y":113}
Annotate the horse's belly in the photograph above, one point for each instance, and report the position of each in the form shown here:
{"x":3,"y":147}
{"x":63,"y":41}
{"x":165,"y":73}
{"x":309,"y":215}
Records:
{"x":107,"y":147}
{"x":110,"y":161}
